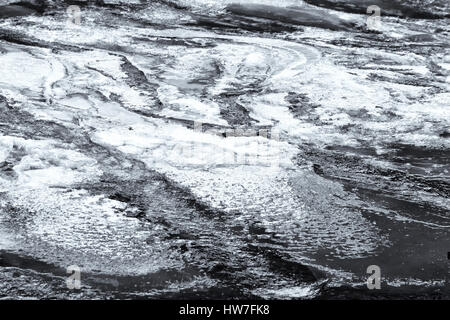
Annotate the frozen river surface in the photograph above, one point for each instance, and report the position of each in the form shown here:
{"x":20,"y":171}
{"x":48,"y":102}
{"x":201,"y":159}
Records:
{"x":224,"y":149}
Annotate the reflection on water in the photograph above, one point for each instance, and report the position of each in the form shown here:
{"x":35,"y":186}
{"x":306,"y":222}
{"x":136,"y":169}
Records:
{"x":220,"y":149}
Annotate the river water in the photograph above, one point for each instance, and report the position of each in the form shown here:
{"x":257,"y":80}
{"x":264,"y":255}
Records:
{"x":224,"y":149}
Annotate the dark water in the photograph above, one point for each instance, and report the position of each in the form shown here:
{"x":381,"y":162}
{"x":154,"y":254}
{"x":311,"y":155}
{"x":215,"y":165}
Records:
{"x":224,"y":149}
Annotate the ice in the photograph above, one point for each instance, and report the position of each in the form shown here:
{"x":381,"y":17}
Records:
{"x":143,"y":143}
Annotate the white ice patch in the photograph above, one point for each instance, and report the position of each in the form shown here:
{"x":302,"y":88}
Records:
{"x":42,"y":163}
{"x":23,"y":71}
{"x":179,"y":106}
{"x":176,"y":146}
{"x":292,"y":203}
{"x":214,"y":6}
{"x":289,"y":292}
{"x":74,"y":227}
